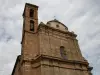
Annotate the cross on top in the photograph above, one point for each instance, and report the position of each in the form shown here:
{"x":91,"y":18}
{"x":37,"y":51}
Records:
{"x":54,"y":17}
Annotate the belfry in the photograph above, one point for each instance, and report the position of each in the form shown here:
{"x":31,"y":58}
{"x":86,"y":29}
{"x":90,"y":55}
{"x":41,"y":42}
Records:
{"x":48,"y":49}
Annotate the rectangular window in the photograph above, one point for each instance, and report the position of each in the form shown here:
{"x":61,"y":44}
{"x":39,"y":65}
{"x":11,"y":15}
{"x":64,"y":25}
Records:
{"x":31,"y":13}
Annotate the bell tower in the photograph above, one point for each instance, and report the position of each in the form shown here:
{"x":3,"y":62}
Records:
{"x":30,"y":16}
{"x":29,"y":36}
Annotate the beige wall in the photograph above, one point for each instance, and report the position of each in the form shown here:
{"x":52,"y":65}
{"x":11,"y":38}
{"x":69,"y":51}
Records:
{"x":50,"y":67}
{"x":30,"y":46}
{"x":51,"y":40}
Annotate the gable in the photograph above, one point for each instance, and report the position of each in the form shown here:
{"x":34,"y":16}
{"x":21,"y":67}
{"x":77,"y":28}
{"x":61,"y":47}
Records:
{"x":57,"y":25}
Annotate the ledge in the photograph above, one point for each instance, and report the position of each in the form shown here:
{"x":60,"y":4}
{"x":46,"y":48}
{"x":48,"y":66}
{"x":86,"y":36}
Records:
{"x":41,"y":57}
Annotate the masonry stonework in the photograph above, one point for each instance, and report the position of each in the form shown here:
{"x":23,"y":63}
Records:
{"x":48,"y":49}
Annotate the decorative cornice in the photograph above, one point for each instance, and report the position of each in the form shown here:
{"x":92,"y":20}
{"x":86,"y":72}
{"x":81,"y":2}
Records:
{"x":28,"y":4}
{"x":59,"y":59}
{"x":31,"y":5}
{"x":65,"y":32}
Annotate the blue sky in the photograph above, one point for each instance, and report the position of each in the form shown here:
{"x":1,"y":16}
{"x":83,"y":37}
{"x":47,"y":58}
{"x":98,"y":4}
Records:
{"x":80,"y":16}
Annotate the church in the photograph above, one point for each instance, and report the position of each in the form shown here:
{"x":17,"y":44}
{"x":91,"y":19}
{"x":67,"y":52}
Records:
{"x":48,"y":49}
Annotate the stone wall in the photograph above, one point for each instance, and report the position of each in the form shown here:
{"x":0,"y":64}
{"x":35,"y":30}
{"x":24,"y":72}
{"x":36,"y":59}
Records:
{"x":51,"y":40}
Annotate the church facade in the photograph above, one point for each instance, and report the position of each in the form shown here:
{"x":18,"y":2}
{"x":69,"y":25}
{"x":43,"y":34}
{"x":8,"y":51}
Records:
{"x":48,"y":49}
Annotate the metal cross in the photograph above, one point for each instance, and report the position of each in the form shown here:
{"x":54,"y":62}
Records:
{"x":54,"y":17}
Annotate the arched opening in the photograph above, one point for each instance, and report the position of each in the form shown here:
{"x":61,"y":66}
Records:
{"x":63,"y":52}
{"x":31,"y":13}
{"x":31,"y":25}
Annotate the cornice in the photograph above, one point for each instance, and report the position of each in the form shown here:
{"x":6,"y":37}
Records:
{"x":53,"y":29}
{"x":41,"y":57}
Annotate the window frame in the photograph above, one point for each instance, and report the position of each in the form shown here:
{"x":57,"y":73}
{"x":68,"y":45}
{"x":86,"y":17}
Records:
{"x":31,"y":14}
{"x":31,"y":25}
{"x":63,"y":52}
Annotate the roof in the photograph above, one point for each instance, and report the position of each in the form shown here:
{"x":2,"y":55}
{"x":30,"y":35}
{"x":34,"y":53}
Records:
{"x":31,"y":5}
{"x":55,"y":20}
{"x":28,"y":4}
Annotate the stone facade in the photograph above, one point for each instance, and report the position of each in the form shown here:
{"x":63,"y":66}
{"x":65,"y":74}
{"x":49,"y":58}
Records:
{"x":48,"y":49}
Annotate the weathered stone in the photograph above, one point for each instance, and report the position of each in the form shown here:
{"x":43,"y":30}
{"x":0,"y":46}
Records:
{"x":41,"y":49}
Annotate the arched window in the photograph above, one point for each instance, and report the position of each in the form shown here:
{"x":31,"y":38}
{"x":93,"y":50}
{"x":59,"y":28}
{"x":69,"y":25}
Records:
{"x":63,"y":52}
{"x":31,"y":13}
{"x":31,"y":25}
